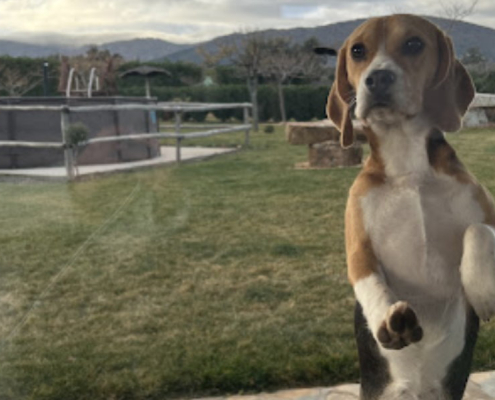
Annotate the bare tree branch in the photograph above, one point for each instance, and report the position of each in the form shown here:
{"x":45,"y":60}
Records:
{"x":285,"y":61}
{"x":456,"y":11}
{"x":246,"y":52}
{"x":211,"y":60}
{"x":17,"y":83}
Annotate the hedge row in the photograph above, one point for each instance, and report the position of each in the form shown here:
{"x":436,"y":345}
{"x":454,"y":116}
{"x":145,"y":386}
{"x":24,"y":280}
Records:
{"x":303,"y":103}
{"x":484,"y":81}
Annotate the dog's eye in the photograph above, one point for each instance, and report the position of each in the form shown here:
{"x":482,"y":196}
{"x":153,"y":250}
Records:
{"x":358,"y":51}
{"x":413,"y":46}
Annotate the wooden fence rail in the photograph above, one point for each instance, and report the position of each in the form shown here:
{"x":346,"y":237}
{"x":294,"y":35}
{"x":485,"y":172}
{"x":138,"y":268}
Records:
{"x":177,"y":108}
{"x":164,"y":106}
{"x":191,"y":135}
{"x":34,"y":145}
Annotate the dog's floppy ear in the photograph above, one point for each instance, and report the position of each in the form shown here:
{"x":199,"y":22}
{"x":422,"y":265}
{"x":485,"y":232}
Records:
{"x":338,"y":101}
{"x":451,"y":91}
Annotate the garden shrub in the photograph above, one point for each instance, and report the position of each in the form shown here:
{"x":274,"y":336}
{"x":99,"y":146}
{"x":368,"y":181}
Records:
{"x":303,"y":102}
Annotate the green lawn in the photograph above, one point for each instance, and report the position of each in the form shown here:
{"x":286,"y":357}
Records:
{"x":222,"y":276}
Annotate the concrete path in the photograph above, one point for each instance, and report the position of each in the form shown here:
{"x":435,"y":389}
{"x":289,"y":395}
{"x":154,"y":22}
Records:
{"x":481,"y":387}
{"x":167,"y":157}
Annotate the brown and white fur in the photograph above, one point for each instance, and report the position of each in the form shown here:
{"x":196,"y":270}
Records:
{"x":420,"y":241}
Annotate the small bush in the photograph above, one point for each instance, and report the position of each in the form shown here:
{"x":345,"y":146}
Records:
{"x":269,"y":129}
{"x":76,"y":134}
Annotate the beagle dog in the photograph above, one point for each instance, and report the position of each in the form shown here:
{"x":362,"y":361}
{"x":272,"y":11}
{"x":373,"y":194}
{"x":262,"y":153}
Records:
{"x":420,"y":237}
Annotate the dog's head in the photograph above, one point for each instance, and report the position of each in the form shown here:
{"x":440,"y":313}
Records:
{"x":396,"y":68}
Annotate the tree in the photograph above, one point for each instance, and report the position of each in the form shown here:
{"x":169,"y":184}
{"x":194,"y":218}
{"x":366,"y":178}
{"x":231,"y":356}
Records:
{"x":473,"y":56}
{"x":245,"y":52}
{"x":17,"y":83}
{"x":212,"y":59}
{"x":105,"y":63}
{"x":20,"y":76}
{"x":284,"y":61}
{"x":227,"y":75}
{"x":457,"y":10}
{"x":482,"y":71}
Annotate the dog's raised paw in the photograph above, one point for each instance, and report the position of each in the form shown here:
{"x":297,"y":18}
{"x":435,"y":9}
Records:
{"x":400,"y":327}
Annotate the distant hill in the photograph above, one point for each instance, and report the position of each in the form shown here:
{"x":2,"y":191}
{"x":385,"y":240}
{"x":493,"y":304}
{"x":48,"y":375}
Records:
{"x":464,"y":34}
{"x":143,"y":49}
{"x":136,"y":49}
{"x":18,"y":49}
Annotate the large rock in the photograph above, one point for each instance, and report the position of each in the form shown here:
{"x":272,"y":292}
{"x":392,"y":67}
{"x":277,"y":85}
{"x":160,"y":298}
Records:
{"x":317,"y":132}
{"x":323,"y":140}
{"x":330,"y":154}
{"x":481,"y":111}
{"x":475,"y":117}
{"x":490,"y":114}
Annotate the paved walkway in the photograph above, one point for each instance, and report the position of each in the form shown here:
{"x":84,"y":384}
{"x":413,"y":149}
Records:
{"x":481,"y":387}
{"x":167,"y":157}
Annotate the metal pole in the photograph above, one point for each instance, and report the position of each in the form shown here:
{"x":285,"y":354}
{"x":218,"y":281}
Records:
{"x":68,"y":155}
{"x":68,"y":89}
{"x":91,"y":80}
{"x":45,"y":79}
{"x":246,"y":121}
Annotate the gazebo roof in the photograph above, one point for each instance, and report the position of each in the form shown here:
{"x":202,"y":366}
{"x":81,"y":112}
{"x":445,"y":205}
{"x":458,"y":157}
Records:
{"x":145,"y":70}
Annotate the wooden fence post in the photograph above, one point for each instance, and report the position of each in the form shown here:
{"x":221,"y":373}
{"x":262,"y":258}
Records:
{"x":177,"y":150}
{"x":68,"y":154}
{"x":246,"y":121}
{"x":178,"y":123}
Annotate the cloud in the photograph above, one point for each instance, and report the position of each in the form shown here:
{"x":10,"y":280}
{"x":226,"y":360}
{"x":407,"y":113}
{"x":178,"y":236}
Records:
{"x":298,"y":11}
{"x":196,"y":20}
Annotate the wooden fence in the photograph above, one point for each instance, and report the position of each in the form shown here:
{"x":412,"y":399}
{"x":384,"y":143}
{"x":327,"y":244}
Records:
{"x":177,"y":108}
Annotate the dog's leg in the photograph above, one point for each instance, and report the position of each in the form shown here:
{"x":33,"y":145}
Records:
{"x":393,"y":323}
{"x":478,"y":269}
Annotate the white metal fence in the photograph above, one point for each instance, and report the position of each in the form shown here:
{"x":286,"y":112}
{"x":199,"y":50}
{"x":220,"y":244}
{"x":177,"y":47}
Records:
{"x":177,"y":108}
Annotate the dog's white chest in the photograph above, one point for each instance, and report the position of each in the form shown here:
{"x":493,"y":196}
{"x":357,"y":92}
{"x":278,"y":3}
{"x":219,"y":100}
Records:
{"x":416,"y":228}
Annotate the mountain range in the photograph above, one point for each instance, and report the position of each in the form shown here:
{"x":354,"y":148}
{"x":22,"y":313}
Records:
{"x":135,"y":49}
{"x":465,"y":35}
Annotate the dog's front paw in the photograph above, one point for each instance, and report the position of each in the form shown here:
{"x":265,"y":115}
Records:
{"x":400,"y":327}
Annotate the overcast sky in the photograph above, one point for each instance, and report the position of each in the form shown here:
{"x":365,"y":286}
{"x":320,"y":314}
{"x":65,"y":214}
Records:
{"x":185,"y":21}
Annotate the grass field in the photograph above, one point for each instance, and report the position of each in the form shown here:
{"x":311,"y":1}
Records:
{"x":223,"y":276}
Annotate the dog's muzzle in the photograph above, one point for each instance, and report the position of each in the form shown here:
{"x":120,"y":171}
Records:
{"x":379,"y":84}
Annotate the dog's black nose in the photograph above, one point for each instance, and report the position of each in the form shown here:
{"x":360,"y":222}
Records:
{"x":380,"y":81}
